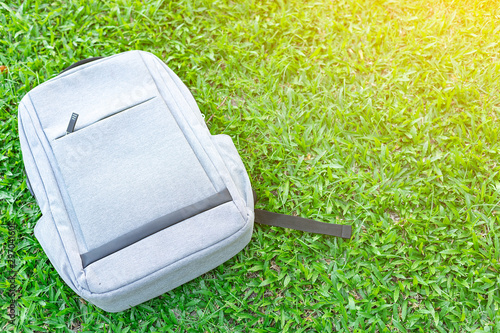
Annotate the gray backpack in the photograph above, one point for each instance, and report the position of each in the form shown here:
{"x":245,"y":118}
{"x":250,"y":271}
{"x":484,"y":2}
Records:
{"x":137,"y":197}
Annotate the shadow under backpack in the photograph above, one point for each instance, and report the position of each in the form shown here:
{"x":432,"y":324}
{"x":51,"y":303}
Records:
{"x":137,"y":197}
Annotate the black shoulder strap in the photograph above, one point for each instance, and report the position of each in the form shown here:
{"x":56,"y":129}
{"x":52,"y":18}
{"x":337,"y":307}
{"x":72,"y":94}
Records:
{"x":300,"y":223}
{"x":79,"y":63}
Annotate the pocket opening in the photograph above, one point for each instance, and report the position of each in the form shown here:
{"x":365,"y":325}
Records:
{"x":155,"y":226}
{"x":105,"y":117}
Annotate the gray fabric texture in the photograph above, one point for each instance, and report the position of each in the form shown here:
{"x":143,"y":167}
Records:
{"x":140,"y":150}
{"x":150,"y":228}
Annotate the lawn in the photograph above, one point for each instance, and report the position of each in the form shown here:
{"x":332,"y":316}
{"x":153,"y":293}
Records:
{"x":379,"y":114}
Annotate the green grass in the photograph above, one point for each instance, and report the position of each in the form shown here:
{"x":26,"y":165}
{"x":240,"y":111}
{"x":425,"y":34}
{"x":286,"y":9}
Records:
{"x":379,"y":114}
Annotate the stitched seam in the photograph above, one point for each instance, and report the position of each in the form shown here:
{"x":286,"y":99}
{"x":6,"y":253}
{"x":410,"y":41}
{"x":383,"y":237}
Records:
{"x":48,"y":201}
{"x":206,"y":152}
{"x":182,"y":131}
{"x":33,"y":157}
{"x":195,"y":136}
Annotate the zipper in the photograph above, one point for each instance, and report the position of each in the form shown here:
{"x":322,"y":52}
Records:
{"x":74,"y":118}
{"x":72,"y":123}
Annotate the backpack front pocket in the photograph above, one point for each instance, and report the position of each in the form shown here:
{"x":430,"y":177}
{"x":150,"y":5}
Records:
{"x":127,"y":170}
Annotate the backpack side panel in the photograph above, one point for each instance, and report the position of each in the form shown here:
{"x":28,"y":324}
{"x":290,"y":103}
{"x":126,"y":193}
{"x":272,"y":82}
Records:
{"x":54,"y":229}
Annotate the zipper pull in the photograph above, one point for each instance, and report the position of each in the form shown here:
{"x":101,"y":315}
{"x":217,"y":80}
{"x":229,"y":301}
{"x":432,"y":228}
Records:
{"x":72,"y":123}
